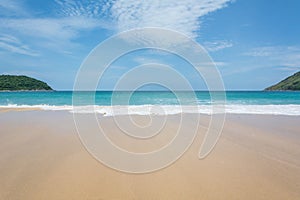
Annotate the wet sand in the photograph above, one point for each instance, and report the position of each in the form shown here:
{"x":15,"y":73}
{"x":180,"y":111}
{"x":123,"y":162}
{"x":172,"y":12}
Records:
{"x":256,"y":157}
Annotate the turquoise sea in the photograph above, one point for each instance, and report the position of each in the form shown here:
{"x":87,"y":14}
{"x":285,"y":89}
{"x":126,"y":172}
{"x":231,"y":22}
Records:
{"x":60,"y":98}
{"x":236,"y":101}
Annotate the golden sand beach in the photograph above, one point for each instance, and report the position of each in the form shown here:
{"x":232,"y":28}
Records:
{"x":256,"y":157}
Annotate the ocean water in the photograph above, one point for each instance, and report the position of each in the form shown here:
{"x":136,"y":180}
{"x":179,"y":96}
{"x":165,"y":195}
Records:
{"x":141,"y":102}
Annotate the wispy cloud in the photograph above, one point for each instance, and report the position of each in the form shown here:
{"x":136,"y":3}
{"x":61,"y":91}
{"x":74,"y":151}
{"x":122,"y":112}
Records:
{"x":50,"y":28}
{"x":284,"y":56}
{"x":264,"y":51}
{"x":217,"y":45}
{"x":146,"y":60}
{"x":12,"y":8}
{"x":12,"y":44}
{"x":20,"y":22}
{"x":91,"y":9}
{"x":181,"y":15}
{"x":69,"y":18}
{"x":220,"y":64}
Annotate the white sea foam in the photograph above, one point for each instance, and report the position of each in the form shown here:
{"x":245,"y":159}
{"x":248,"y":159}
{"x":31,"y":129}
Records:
{"x":293,"y":110}
{"x":42,"y":107}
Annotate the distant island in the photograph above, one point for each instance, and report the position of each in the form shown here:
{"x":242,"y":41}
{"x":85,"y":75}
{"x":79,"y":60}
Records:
{"x":22,"y":83}
{"x":290,"y":83}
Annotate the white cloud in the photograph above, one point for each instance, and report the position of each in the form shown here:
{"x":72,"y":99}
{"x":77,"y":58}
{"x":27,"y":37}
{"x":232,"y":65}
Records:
{"x":287,"y":56}
{"x":56,"y":32}
{"x":50,"y":28}
{"x":91,"y":9}
{"x":220,"y":64}
{"x":217,"y":45}
{"x":11,"y":8}
{"x":12,"y":44}
{"x":146,"y":60}
{"x":182,"y":16}
{"x":263,"y":51}
{"x":203,"y":65}
{"x":72,"y":17}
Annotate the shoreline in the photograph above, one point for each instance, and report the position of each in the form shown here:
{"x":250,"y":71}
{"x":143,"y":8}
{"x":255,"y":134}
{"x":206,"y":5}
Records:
{"x":106,"y":110}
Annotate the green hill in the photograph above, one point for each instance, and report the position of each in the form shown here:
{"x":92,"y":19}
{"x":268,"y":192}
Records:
{"x":290,"y":83}
{"x":15,"y":83}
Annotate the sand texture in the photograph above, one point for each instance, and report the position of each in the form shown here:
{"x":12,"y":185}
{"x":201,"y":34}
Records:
{"x":41,"y":157}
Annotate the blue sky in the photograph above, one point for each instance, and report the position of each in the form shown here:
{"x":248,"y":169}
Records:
{"x":254,"y":43}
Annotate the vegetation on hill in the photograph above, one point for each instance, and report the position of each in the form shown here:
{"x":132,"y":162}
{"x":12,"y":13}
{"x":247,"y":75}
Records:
{"x":290,"y":83}
{"x":14,"y":83}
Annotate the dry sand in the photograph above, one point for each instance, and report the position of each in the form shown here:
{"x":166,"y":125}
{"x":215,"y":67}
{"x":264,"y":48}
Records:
{"x":41,"y":157}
